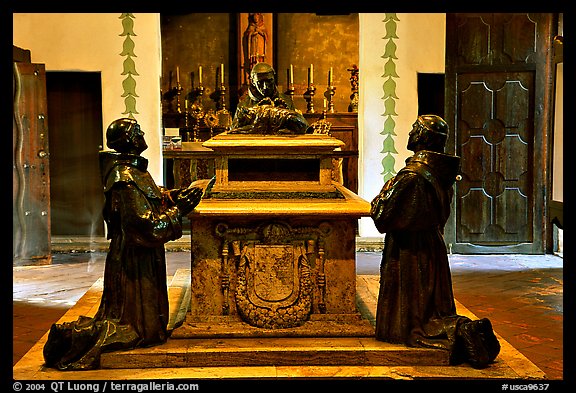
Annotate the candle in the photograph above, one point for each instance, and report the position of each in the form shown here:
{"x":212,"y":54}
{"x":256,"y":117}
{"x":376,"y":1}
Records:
{"x":186,"y":105}
{"x":311,"y":73}
{"x":291,"y":74}
{"x":221,"y":73}
{"x":330,"y":77}
{"x":177,"y":74}
{"x":200,"y":75}
{"x":324,"y":103}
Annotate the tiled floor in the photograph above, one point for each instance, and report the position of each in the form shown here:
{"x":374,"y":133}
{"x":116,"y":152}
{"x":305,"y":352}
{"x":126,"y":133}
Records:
{"x":521,"y":294}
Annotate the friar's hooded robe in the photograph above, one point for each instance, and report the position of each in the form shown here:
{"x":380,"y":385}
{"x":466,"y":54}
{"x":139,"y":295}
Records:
{"x":416,"y":303}
{"x":141,"y":217}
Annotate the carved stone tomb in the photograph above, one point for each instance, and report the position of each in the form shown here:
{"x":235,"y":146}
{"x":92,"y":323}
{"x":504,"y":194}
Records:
{"x":273,"y":243}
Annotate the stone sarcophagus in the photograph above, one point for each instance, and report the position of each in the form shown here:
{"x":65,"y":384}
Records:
{"x":273,"y":243}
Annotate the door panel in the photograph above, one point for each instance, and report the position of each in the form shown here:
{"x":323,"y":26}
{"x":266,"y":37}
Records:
{"x":498,"y":101}
{"x":494,"y":197}
{"x":75,"y":109}
{"x":30,"y":163}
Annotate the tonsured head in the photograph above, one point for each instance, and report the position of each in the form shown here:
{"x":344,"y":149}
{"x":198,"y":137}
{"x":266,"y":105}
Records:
{"x":125,"y":136}
{"x":429,"y":132}
{"x":263,"y":78}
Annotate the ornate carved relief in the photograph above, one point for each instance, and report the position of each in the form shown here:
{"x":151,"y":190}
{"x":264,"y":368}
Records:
{"x":275,"y":264}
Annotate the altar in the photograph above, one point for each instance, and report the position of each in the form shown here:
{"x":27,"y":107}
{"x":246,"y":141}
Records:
{"x":273,"y":243}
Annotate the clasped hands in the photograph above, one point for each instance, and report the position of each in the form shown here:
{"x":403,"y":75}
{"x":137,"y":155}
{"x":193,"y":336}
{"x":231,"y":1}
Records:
{"x":277,"y":102}
{"x":188,"y":198}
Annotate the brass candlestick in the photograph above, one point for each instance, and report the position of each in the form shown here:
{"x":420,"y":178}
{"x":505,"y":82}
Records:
{"x":171,"y":92}
{"x":186,"y":113}
{"x":290,"y":91}
{"x":221,"y":97}
{"x":198,"y":103}
{"x":178,"y":93}
{"x":309,"y":97}
{"x":195,"y":111}
{"x":329,"y":93}
{"x":353,"y":106}
{"x":196,"y":132}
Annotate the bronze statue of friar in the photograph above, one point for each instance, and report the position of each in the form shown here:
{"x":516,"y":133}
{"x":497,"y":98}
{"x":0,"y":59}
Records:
{"x":415,"y":303}
{"x":141,"y":217}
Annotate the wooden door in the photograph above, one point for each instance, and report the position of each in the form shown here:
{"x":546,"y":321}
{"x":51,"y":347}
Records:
{"x":30,"y":173}
{"x":75,"y":114}
{"x":498,"y":103}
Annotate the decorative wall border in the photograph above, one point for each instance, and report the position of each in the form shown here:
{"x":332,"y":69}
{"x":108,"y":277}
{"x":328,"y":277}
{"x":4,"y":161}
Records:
{"x":129,"y":66}
{"x":389,"y":97}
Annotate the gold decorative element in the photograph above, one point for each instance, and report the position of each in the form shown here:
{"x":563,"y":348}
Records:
{"x":321,"y":126}
{"x":211,"y":119}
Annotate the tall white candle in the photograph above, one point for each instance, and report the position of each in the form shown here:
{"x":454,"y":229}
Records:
{"x":177,"y":74}
{"x":221,"y":73}
{"x":200,"y":75}
{"x":311,"y":73}
{"x":330,"y":77}
{"x":291,"y":74}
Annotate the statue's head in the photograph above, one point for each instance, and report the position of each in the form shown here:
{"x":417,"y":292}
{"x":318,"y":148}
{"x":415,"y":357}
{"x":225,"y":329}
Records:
{"x":429,"y":132}
{"x":263,"y":79}
{"x":125,"y":136}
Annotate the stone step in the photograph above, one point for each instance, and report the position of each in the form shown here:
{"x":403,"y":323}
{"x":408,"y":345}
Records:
{"x":243,"y":352}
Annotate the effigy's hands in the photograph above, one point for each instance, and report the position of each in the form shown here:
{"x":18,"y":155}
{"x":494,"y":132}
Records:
{"x":188,"y":199}
{"x":265,"y":101}
{"x":280,"y":103}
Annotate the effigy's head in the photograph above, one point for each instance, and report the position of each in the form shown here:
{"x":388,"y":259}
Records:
{"x":263,"y":79}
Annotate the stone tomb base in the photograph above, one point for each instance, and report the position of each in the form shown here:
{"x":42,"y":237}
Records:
{"x":249,"y":352}
{"x":319,"y":325}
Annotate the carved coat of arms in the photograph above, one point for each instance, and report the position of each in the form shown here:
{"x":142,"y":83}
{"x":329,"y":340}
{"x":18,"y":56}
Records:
{"x":274,"y":286}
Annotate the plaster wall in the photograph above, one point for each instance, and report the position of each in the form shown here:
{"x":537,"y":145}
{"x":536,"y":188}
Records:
{"x":420,"y":47}
{"x":93,"y":42}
